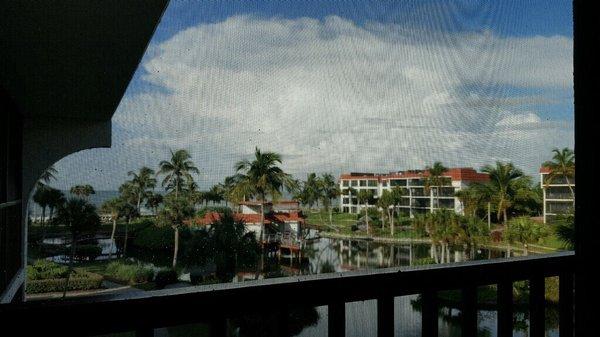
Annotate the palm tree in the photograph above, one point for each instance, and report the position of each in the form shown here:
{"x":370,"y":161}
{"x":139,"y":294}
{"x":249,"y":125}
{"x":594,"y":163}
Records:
{"x":79,"y":216}
{"x":82,"y":191}
{"x":226,"y":188}
{"x":329,"y":190}
{"x":364,"y":197}
{"x":525,"y":231}
{"x":153,"y":200}
{"x":386,"y":203}
{"x":176,"y":211}
{"x":502,"y":181}
{"x":396,"y":198}
{"x":47,"y":176}
{"x":263,"y":177}
{"x":436,"y":179}
{"x":562,"y":165}
{"x":41,"y":197}
{"x":113,"y":207}
{"x":177,"y":171}
{"x":565,"y":230}
{"x":142,"y":183}
{"x":128,"y":210}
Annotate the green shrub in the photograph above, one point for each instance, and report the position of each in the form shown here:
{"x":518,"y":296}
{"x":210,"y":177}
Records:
{"x":196,"y":277}
{"x":79,"y":280}
{"x":43,"y":269}
{"x":130,"y":273}
{"x":424,"y":261}
{"x":165,"y":277}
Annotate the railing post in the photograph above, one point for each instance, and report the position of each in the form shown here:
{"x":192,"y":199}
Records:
{"x":469,"y":311}
{"x":336,"y":321}
{"x":537,"y":319}
{"x":429,"y":314}
{"x":385,"y":316}
{"x":565,"y":302}
{"x":505,"y":308}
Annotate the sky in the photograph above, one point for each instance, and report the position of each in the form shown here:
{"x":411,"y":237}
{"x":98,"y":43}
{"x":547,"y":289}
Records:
{"x":339,"y":86}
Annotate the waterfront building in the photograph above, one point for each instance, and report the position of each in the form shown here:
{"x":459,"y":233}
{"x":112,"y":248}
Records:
{"x":416,"y":198}
{"x":282,"y":216}
{"x":557,"y":195}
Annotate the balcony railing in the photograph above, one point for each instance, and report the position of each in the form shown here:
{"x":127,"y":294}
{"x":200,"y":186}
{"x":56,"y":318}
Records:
{"x":216,"y":303}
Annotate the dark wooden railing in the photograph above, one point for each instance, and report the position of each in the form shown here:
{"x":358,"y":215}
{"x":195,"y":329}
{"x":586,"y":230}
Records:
{"x":216,"y":303}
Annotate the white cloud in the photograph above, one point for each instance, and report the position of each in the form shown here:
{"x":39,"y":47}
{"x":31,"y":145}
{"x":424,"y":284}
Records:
{"x":334,"y":96}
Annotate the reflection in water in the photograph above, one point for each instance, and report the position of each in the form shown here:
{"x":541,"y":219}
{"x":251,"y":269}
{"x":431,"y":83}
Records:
{"x":325,"y":255}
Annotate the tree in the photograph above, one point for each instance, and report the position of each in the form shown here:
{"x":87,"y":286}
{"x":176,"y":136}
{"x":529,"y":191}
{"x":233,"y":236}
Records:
{"x":153,"y":200}
{"x":502,"y":182}
{"x":226,"y":188}
{"x":176,"y":211}
{"x":142,"y":184}
{"x":436,"y":179}
{"x":40,"y":197}
{"x":114,"y":208}
{"x":524,"y":230}
{"x":476,"y":197}
{"x":127,"y":208}
{"x":329,"y":190}
{"x":364,"y":197}
{"x":562,"y":165}
{"x":263,"y":177}
{"x":55,"y":199}
{"x":46,"y":177}
{"x":386,"y":203}
{"x":565,"y":229}
{"x":177,"y":171}
{"x":82,"y":191}
{"x":78,"y":216}
{"x":396,"y":198}
{"x":528,"y":197}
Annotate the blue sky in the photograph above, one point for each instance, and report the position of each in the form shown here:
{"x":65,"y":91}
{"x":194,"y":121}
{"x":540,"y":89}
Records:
{"x":344,"y":85}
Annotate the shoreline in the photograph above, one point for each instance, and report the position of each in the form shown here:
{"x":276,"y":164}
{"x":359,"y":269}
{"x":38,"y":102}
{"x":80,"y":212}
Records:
{"x":538,"y":249}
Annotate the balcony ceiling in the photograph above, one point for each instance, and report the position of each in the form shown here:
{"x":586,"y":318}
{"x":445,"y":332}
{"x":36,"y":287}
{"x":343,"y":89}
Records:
{"x":73,"y":58}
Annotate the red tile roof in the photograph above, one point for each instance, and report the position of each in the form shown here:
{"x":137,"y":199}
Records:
{"x":279,"y":217}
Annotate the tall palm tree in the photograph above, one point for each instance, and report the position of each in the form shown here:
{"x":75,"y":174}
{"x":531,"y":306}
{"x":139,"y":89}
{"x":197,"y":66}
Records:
{"x":41,"y":197}
{"x":83,"y":191}
{"x":502,"y":181}
{"x":177,"y":171}
{"x":55,"y":199}
{"x":365,"y":197}
{"x":47,"y":176}
{"x":329,"y":191}
{"x":436,"y":179}
{"x":142,"y":183}
{"x":263,"y":177}
{"x":175,"y":212}
{"x":562,"y":165}
{"x":386,"y":203}
{"x":113,"y":207}
{"x":226,"y":189}
{"x":127,"y":207}
{"x":78,"y":216}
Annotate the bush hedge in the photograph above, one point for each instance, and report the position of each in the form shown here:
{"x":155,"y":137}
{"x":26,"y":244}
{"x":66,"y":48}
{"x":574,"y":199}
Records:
{"x":128,"y":272}
{"x":47,"y":277}
{"x":165,"y":277}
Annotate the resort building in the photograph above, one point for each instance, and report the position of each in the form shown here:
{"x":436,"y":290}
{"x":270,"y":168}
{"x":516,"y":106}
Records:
{"x":284,"y":217}
{"x":416,"y":198}
{"x":558,"y":198}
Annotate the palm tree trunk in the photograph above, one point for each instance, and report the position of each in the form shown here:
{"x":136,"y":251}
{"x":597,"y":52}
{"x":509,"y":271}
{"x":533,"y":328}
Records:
{"x":70,"y":270}
{"x":570,"y":189}
{"x":126,"y":237}
{"x":391,"y":217}
{"x":112,"y":237}
{"x":367,"y":217}
{"x":330,"y":216}
{"x":489,"y":215}
{"x":43,"y":222}
{"x":176,"y":247}
{"x":505,"y":216}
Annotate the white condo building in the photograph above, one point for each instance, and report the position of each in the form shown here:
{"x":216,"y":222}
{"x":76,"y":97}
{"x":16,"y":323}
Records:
{"x":416,"y":198}
{"x":558,"y":198}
